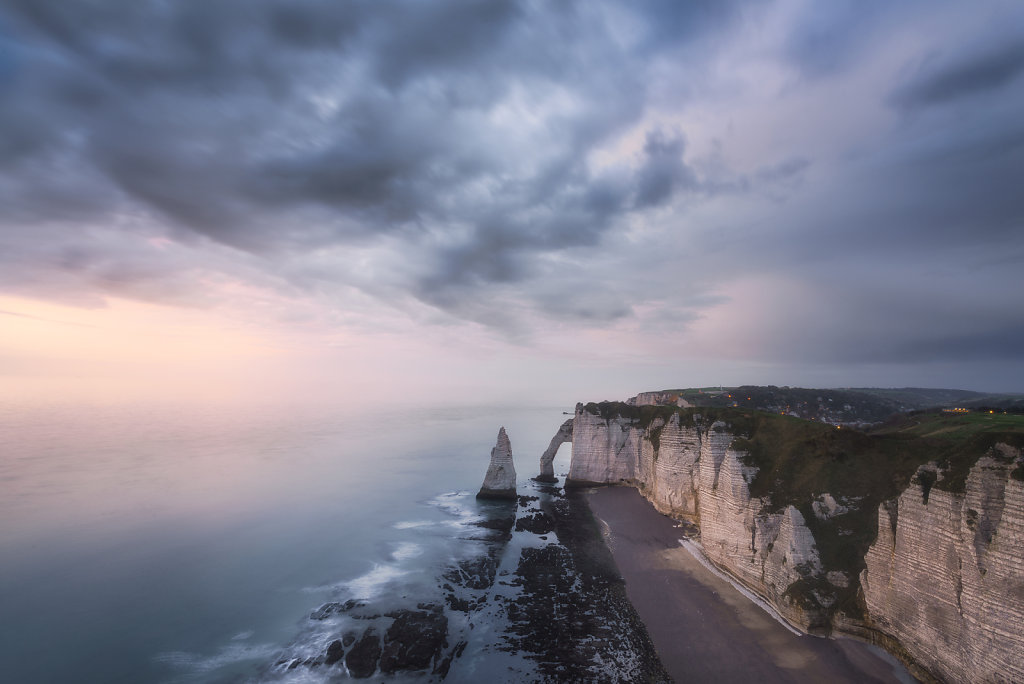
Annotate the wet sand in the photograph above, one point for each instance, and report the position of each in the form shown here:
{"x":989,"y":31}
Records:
{"x":702,"y":627}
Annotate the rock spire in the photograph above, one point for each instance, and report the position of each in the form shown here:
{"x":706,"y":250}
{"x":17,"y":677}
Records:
{"x":500,"y":481}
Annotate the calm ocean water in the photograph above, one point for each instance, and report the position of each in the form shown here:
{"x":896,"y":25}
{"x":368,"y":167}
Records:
{"x":170,"y":543}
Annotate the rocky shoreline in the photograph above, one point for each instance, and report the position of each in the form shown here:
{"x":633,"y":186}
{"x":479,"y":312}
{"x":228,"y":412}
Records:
{"x":573,"y":616}
{"x":541,"y":600}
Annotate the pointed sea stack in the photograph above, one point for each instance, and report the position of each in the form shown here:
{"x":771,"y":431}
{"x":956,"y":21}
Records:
{"x":500,"y":481}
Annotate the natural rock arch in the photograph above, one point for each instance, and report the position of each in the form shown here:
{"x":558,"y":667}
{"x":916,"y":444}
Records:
{"x":547,"y":459}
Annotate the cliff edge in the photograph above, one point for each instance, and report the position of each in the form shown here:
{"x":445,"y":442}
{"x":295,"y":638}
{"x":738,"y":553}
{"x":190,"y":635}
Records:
{"x":914,"y":543}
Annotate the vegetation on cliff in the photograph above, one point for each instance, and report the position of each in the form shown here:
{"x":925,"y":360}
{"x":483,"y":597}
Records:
{"x":798,"y":461}
{"x":849,"y":406}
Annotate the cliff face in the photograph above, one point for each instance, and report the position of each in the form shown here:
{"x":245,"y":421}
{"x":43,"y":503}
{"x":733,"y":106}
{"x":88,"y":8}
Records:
{"x":667,"y":398}
{"x":946,"y":574}
{"x":943,"y":583}
{"x":690,"y":471}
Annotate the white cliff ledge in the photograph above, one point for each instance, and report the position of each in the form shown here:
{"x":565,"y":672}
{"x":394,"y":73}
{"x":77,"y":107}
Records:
{"x":837,"y":531}
{"x":500,"y":481}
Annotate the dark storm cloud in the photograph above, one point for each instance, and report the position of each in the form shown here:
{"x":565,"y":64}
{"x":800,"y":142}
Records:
{"x":905,"y":316}
{"x":663,"y":171}
{"x":834,"y":37}
{"x":945,"y":176}
{"x":786,"y":170}
{"x":205,"y":115}
{"x":477,"y":151}
{"x":563,"y":207}
{"x":980,"y":68}
{"x":679,"y":23}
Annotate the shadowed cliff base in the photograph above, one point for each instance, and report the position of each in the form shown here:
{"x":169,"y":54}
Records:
{"x":703,"y":628}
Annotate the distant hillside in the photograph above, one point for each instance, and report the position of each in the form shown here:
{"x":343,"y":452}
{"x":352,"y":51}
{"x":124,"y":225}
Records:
{"x":917,"y":398}
{"x":855,"y":406}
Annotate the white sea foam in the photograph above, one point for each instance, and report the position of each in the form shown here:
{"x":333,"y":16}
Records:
{"x":412,"y":524}
{"x":372,"y":583}
{"x":242,"y":636}
{"x":454,"y":504}
{"x":698,"y":553}
{"x":232,"y":653}
{"x":406,"y":550}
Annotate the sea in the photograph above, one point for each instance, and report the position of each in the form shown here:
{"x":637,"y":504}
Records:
{"x":175,"y":542}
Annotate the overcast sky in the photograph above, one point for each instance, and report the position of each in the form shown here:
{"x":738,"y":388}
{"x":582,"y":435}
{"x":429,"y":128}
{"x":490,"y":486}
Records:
{"x":564,"y":200}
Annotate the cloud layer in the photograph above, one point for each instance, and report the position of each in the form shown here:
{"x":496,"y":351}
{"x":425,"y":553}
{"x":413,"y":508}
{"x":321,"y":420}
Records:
{"x":834,"y":185}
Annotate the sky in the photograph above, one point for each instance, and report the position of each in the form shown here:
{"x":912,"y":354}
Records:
{"x":490,"y":201}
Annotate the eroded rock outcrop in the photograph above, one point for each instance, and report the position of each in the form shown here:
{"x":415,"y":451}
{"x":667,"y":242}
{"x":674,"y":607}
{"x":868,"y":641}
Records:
{"x":942,"y":586}
{"x":547,"y":459}
{"x":500,"y":481}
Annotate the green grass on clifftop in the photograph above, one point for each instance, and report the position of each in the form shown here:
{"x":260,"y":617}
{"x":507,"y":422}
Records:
{"x":953,"y":426}
{"x":799,"y":460}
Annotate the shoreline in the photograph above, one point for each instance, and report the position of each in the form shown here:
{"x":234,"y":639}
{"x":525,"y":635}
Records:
{"x":697,"y":552}
{"x":601,"y":614}
{"x":702,"y":626}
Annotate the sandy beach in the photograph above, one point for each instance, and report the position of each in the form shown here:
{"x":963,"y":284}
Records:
{"x":703,"y":628}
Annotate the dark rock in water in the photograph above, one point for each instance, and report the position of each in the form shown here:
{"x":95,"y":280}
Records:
{"x":325,"y":611}
{"x":328,"y":609}
{"x":524,"y":500}
{"x":573,"y":617}
{"x":364,"y":611}
{"x":414,"y":641}
{"x":552,"y":491}
{"x":361,"y":661}
{"x":475,"y":573}
{"x":538,"y":523}
{"x":456,"y":603}
{"x":502,"y":524}
{"x":570,"y":619}
{"x":446,"y":663}
{"x":335,"y":652}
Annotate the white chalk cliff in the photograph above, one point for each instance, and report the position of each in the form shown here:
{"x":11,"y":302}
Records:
{"x":500,"y":481}
{"x":946,"y":577}
{"x":943,"y":584}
